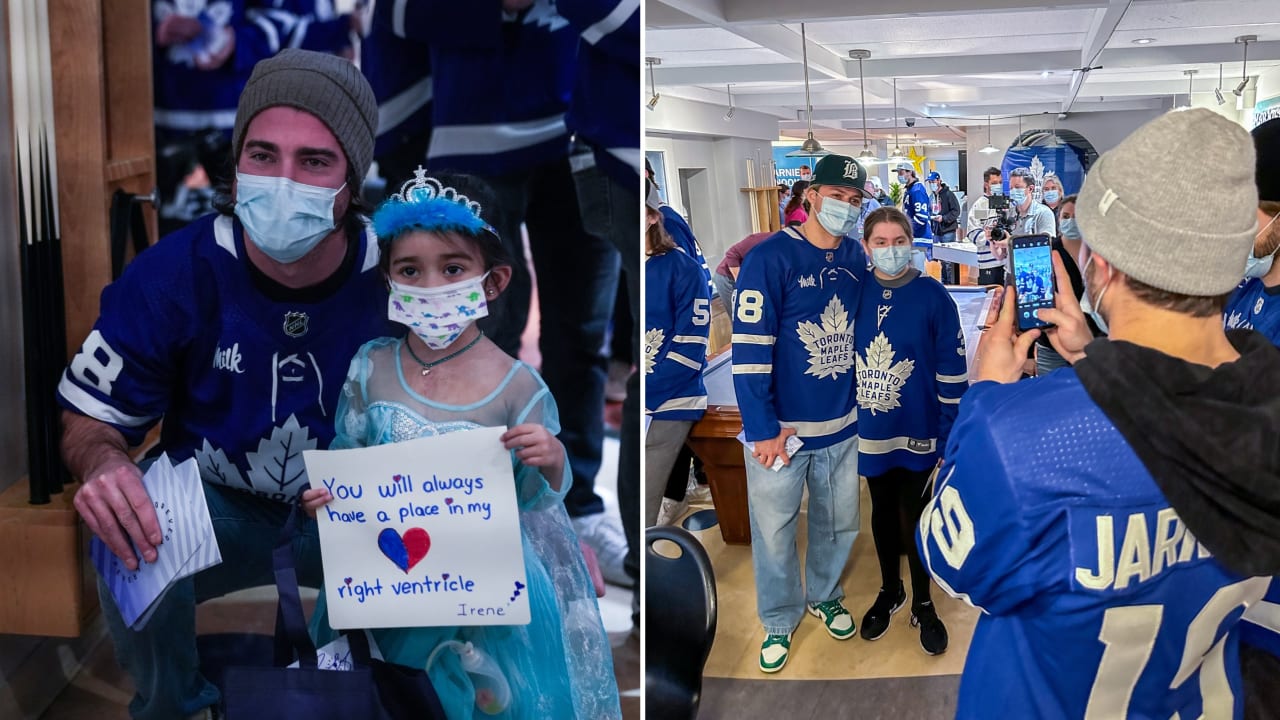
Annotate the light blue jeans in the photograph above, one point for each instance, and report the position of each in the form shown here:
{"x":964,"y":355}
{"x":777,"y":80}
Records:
{"x":161,"y":658}
{"x":831,"y":474}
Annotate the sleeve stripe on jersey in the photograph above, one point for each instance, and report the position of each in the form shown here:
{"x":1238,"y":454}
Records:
{"x":689,"y":403}
{"x":96,"y":409}
{"x":687,"y":362}
{"x":696,"y":339}
{"x":746,"y":339}
{"x":823,"y":428}
{"x":1264,"y":614}
{"x":882,"y":447}
{"x":224,"y":234}
{"x":268,"y":29}
{"x":753,"y":369}
{"x":614,"y":20}
{"x":961,"y":378}
{"x":949,"y":401}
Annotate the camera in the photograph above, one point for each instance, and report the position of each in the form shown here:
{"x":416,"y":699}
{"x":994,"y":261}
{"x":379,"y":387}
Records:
{"x":1001,"y":218}
{"x":911,"y":122}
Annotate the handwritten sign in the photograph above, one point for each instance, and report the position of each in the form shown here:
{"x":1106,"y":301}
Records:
{"x":421,"y":533}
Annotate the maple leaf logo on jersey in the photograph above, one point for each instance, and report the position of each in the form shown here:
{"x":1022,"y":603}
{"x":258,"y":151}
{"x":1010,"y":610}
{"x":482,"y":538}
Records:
{"x":830,"y":345}
{"x":652,"y":344}
{"x":216,"y":466}
{"x":880,"y":380}
{"x":277,"y":463}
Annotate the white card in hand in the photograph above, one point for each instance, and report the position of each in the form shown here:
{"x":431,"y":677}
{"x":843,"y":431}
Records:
{"x":792,"y":446}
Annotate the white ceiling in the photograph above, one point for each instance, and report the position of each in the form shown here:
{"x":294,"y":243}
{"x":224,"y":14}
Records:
{"x":956,"y":61}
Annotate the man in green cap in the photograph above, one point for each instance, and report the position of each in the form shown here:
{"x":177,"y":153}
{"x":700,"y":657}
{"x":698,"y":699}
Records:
{"x":793,"y":362}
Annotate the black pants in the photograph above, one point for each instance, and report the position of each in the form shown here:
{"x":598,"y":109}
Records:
{"x":897,"y":499}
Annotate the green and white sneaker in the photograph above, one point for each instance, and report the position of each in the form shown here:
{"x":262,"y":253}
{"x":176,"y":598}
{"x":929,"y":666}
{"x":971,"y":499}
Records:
{"x":774,"y":652}
{"x":837,"y":619}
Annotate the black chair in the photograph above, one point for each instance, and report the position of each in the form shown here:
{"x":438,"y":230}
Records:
{"x":680,"y":624}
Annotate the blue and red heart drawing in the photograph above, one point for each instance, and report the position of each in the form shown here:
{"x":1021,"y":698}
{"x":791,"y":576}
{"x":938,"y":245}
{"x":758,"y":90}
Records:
{"x":404,"y":550}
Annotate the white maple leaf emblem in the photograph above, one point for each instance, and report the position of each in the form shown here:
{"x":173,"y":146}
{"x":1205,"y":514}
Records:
{"x":653,"y":340}
{"x":277,"y":463}
{"x":830,"y":345}
{"x":880,"y":380}
{"x":216,"y":467}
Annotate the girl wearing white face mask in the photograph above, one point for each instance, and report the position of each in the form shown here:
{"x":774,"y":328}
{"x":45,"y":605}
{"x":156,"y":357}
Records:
{"x":444,"y":264}
{"x":1256,"y":303}
{"x":911,"y":375}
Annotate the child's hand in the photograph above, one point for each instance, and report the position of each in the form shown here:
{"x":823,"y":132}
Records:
{"x":536,"y":446}
{"x":314,"y":499}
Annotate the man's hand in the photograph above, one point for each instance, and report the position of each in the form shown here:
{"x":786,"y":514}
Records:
{"x":176,"y":29}
{"x":1001,"y":351}
{"x":1070,"y":333}
{"x":767,"y":451}
{"x":116,"y":507}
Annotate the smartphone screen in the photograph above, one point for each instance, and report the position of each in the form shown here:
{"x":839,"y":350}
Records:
{"x":1031,"y":259}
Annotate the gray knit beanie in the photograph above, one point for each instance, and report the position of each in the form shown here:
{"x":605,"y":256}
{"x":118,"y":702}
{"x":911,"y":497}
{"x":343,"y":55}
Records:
{"x":326,"y":86}
{"x":1190,"y":231}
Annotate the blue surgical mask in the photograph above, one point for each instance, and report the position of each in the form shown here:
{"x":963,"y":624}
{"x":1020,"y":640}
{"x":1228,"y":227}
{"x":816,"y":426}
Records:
{"x":1017,"y":195}
{"x":997,"y":189}
{"x":1257,"y":267}
{"x":838,"y":217}
{"x":1087,"y":305}
{"x":1069,"y":229}
{"x":284,"y":219}
{"x":1051,"y":196}
{"x":891,"y":260}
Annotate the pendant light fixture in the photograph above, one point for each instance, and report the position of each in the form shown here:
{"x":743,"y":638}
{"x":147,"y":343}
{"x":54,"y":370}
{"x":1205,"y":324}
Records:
{"x":897,"y":156}
{"x":1244,"y":69}
{"x":868,"y":156}
{"x":989,"y":148}
{"x":1018,"y":142}
{"x":653,"y":89}
{"x":1217,"y":92}
{"x":729,"y":115}
{"x":810,"y":147}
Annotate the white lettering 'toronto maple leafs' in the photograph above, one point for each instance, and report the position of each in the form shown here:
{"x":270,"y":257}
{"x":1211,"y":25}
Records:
{"x":880,"y":380}
{"x":653,"y":340}
{"x":215,"y":466}
{"x":277,"y":463}
{"x":830,"y":345}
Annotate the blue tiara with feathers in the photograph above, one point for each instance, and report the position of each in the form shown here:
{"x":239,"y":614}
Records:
{"x":424,"y":204}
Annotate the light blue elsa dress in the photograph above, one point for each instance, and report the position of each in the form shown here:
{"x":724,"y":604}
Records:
{"x":560,"y":664}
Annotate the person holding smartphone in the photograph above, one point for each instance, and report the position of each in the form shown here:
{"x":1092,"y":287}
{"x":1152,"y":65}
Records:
{"x":911,"y":375}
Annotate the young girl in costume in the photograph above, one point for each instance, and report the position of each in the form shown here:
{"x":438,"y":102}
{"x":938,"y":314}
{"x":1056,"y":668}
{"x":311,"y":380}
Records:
{"x":443,"y":261}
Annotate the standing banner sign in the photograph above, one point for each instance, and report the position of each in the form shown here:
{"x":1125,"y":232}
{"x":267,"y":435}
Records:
{"x":421,"y":533}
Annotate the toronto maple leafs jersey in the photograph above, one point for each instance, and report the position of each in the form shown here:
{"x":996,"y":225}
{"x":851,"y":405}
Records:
{"x":911,"y":372}
{"x":682,"y":234}
{"x":601,"y":109}
{"x":243,"y":382}
{"x":1254,"y":306}
{"x":396,"y":61}
{"x":501,"y":92}
{"x":916,"y":206}
{"x":1097,"y":600}
{"x":793,"y":352}
{"x":677,"y":322}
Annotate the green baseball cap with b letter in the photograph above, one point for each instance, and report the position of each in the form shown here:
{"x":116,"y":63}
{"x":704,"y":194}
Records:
{"x":841,"y":171}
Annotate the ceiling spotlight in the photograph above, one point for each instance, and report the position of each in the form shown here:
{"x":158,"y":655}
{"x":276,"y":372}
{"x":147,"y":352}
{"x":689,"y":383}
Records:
{"x":1144,"y":41}
{"x":868,"y":156}
{"x":1191,"y":75}
{"x":943,"y":106}
{"x":1045,"y":73}
{"x":1244,"y":68}
{"x":729,"y":115}
{"x":653,"y":90}
{"x":810,"y":147}
{"x":1217,"y":92}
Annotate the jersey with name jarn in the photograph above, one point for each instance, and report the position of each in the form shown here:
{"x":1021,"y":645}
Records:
{"x":793,"y":352}
{"x":244,"y":383}
{"x":1098,"y":601}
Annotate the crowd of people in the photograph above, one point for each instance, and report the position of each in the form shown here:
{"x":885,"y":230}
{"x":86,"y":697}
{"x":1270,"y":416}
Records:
{"x":1114,"y":514}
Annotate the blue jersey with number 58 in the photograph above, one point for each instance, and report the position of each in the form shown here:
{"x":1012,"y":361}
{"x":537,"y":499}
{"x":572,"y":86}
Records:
{"x":1098,"y":601}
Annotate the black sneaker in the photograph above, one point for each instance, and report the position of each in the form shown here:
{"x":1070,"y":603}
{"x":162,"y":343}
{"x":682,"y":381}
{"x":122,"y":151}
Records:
{"x":876,"y":622}
{"x":933,"y":634}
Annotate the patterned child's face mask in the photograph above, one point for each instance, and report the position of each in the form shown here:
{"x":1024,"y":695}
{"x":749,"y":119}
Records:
{"x":438,"y":315}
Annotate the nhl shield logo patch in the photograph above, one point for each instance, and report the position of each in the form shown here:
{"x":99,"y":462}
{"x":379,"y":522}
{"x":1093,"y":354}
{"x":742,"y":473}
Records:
{"x":296,"y":323}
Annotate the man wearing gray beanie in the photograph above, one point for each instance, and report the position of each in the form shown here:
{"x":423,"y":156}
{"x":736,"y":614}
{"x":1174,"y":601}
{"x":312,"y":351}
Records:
{"x":1114,"y":519}
{"x":238,"y":331}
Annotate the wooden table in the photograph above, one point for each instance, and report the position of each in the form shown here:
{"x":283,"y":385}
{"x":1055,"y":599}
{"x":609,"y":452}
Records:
{"x":714,"y":438}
